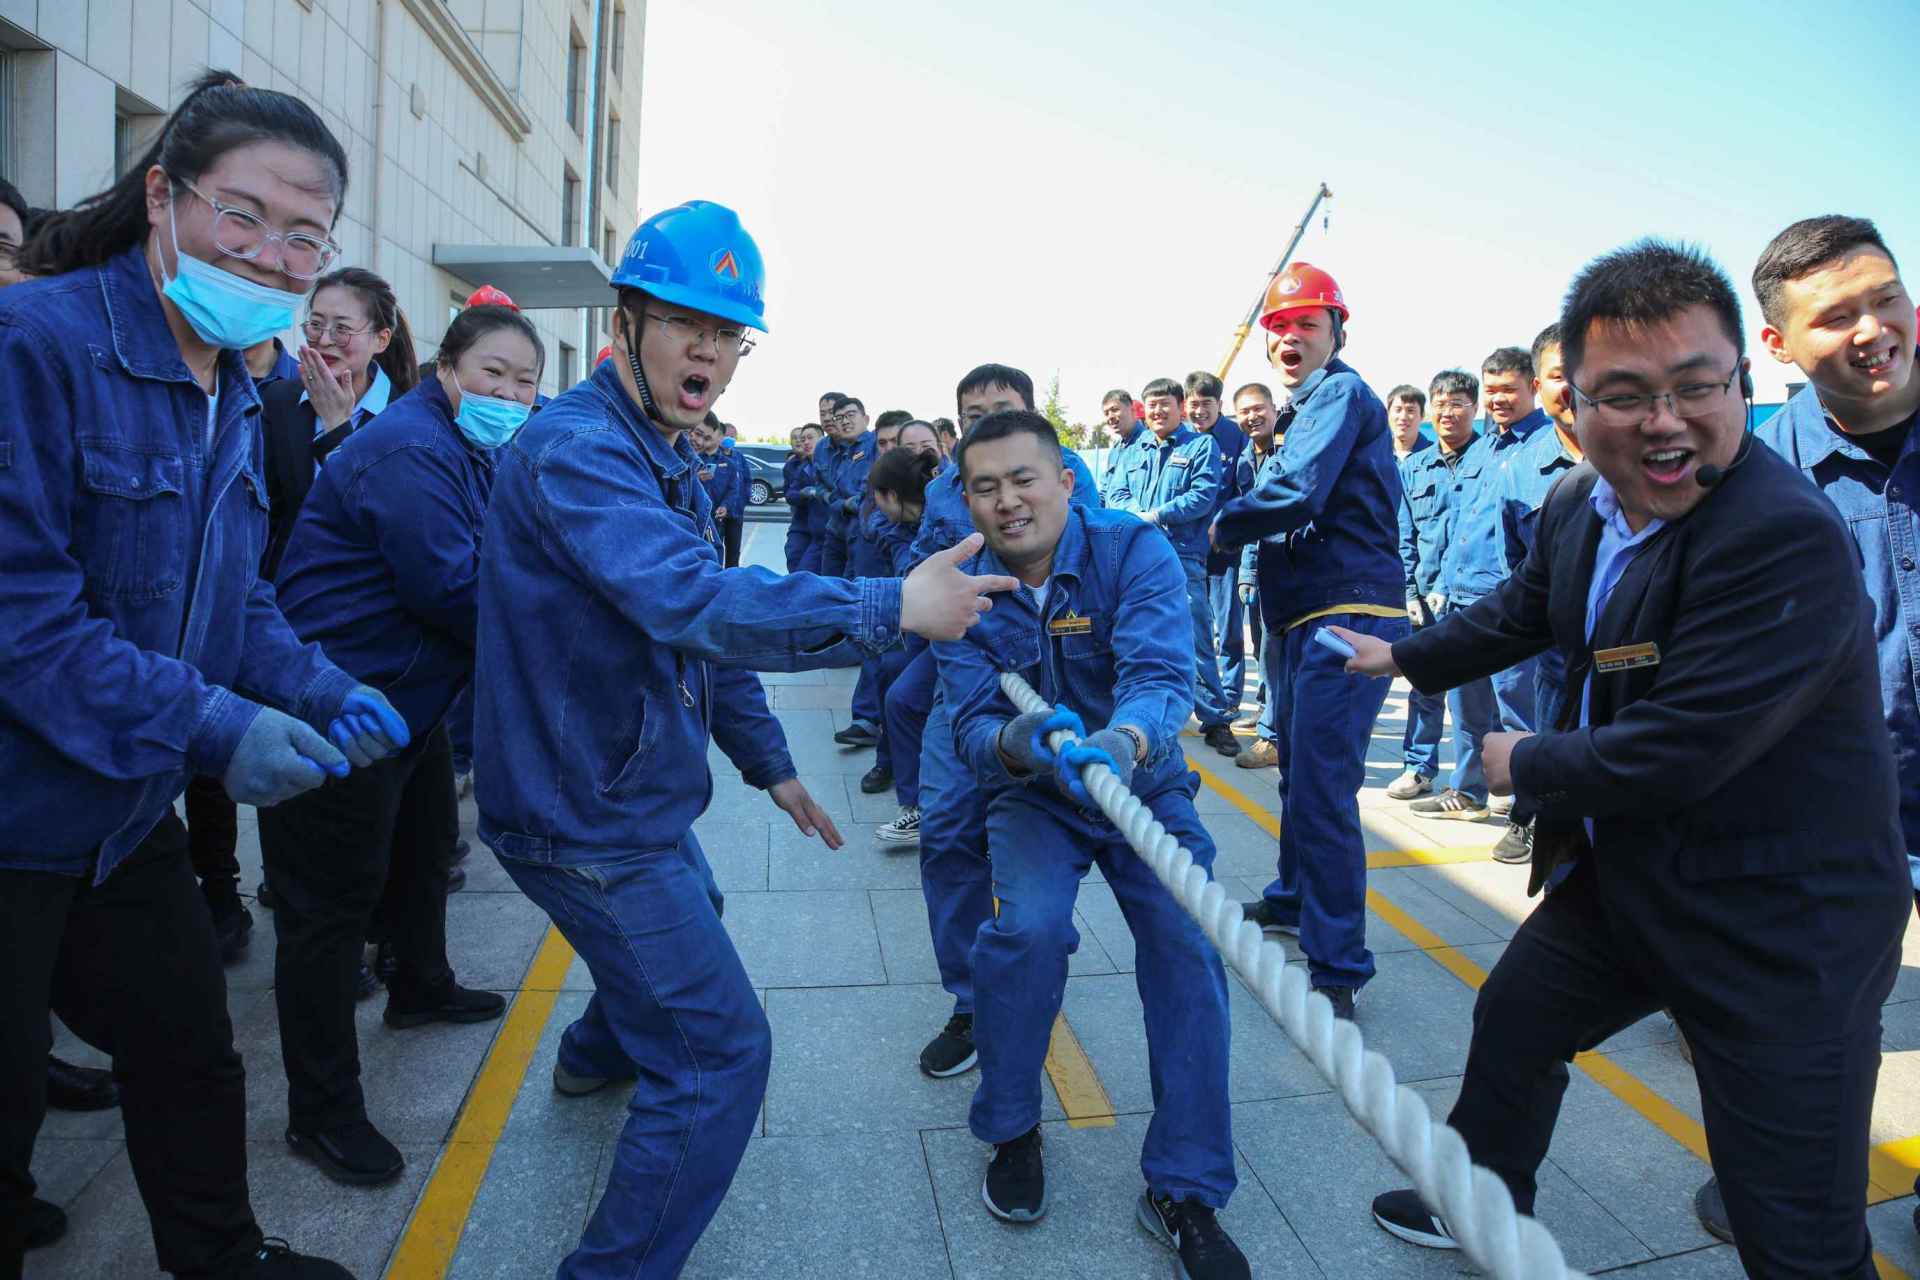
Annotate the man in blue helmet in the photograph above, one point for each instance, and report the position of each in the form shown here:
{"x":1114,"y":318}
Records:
{"x":609,"y":631}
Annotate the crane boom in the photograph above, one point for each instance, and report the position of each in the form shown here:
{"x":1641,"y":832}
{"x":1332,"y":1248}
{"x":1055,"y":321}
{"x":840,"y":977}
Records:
{"x":1286,"y":256}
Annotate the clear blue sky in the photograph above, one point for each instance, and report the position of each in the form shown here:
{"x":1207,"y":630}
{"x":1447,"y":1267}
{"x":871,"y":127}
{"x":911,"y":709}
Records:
{"x":1099,"y":188}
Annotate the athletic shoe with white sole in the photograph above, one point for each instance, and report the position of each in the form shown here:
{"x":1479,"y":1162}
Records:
{"x":1449,"y":804}
{"x":904,"y":829}
{"x":1410,"y":785}
{"x":951,"y":1052}
{"x":1405,"y":1214}
{"x":1267,"y":916}
{"x":1015,"y":1188}
{"x":1202,"y":1249}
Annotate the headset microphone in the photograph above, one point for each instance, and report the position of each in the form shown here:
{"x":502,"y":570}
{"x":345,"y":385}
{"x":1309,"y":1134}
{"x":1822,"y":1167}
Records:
{"x":1710,"y":477}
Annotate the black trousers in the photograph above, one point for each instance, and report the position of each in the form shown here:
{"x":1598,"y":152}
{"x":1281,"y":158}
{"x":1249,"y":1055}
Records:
{"x":731,"y":530}
{"x":372,"y":842}
{"x":133,"y":967}
{"x":1787,"y":1123}
{"x":213,"y":830}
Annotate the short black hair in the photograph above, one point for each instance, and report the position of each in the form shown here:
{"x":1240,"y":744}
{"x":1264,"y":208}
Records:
{"x":996,"y":375}
{"x":1407,"y":391}
{"x":831,"y":397}
{"x":1119,"y":395}
{"x":1006,"y":423}
{"x":1547,"y":338}
{"x":855,"y":401}
{"x":1643,"y":284}
{"x":1450,"y":382}
{"x":1202,"y":383}
{"x":892,"y":418}
{"x":1163,"y":387}
{"x":1261,"y":387}
{"x":1507,"y":360}
{"x":946,"y":428}
{"x":10,"y":197}
{"x":1804,"y":246}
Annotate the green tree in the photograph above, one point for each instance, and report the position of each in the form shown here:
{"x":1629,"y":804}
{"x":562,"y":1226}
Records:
{"x":1054,"y":411}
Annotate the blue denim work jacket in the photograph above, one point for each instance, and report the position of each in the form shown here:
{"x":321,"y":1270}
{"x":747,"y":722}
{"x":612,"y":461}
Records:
{"x":726,"y":482}
{"x":798,"y":482}
{"x":1325,"y":505}
{"x":946,"y":519}
{"x":1526,"y":476}
{"x":1114,"y":643}
{"x":1476,"y":559}
{"x":845,"y":475}
{"x":1176,"y":480}
{"x":609,"y":630}
{"x":139,"y":639}
{"x":1426,"y":487}
{"x":383,"y":567}
{"x":1879,"y":505}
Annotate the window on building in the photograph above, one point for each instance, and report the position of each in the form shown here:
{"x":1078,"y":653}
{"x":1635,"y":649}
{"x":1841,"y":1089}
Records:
{"x":576,"y":80}
{"x":570,"y":209}
{"x":613,"y":152}
{"x":122,"y":142}
{"x":569,"y":366}
{"x":619,"y":38}
{"x":609,"y":245}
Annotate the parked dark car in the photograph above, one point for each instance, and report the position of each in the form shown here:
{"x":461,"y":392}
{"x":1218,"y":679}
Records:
{"x":768,"y":463}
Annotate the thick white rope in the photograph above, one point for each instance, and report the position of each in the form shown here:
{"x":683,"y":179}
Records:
{"x":1474,"y":1201}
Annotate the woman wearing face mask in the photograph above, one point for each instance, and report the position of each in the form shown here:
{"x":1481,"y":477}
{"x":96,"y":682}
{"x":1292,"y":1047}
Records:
{"x":132,"y":519}
{"x":381,"y":572}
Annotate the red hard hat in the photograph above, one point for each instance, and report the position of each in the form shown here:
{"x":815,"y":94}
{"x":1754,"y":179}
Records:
{"x":488,"y":296}
{"x":1139,"y":411}
{"x":1298,"y":287}
{"x":606,"y":354}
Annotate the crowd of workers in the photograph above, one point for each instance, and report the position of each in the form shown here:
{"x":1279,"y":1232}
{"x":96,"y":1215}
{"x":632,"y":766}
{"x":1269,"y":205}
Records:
{"x":312,"y":584}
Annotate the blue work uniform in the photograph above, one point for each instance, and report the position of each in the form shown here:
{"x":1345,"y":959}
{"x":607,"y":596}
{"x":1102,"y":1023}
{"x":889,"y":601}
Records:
{"x":954,"y":876}
{"x":799,"y":485}
{"x":1427,"y":493}
{"x":846,"y":478}
{"x":1134,"y":434}
{"x":1524,"y":481}
{"x":1325,"y":511}
{"x":1879,"y":504}
{"x":133,"y":515}
{"x":1223,"y":576}
{"x":608,"y":633}
{"x":285,"y":367}
{"x":1474,"y":566}
{"x":1107,"y":643}
{"x":866,"y":558}
{"x":724,"y":476}
{"x":1177,"y":481}
{"x":1247,"y":576}
{"x":902,"y":729}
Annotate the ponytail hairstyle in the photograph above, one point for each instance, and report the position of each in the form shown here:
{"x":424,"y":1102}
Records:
{"x":476,"y":323}
{"x":376,"y":295}
{"x":221,"y":112}
{"x":904,"y":473}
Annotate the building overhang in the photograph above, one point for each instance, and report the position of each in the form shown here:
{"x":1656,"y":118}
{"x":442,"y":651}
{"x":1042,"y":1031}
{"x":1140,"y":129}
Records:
{"x":537,"y":277}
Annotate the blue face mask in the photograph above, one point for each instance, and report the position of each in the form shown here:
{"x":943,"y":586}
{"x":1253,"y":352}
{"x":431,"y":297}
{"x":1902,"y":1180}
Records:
{"x":489,"y":421}
{"x":223,"y":308}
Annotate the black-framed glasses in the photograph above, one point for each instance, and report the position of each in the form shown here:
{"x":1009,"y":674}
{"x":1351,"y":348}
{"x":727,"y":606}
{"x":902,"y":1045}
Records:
{"x":243,"y":235}
{"x":339,"y":330}
{"x":1689,"y":400}
{"x":725,"y":337}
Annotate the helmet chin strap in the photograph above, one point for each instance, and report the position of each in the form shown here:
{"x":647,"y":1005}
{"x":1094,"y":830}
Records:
{"x":1339,"y":330}
{"x":633,"y":366}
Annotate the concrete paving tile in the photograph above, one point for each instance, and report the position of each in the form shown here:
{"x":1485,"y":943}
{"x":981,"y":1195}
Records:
{"x":65,"y":1167}
{"x":818,"y":938}
{"x":1891,"y":1225}
{"x":824,"y":1208}
{"x":1100,"y":912}
{"x":1090,"y":1231}
{"x":736,"y":800}
{"x":796,"y":697}
{"x":541,"y":1115}
{"x":1900,"y":1027}
{"x":879,"y":807}
{"x":846,"y":1060}
{"x":800,"y":862}
{"x":1644,"y":1178}
{"x":491,"y":938}
{"x":773,"y":678}
{"x":907,"y":946}
{"x":1488,"y":892}
{"x":1717,"y":1263}
{"x":1417,"y":1014}
{"x":736,"y":849}
{"x":529,"y":1210}
{"x":1323,"y":1171}
{"x":1240,"y":847}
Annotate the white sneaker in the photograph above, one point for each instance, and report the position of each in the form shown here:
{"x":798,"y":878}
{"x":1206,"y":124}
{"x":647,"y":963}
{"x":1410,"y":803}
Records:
{"x":904,"y":829}
{"x":1502,"y":805}
{"x":1409,"y":785}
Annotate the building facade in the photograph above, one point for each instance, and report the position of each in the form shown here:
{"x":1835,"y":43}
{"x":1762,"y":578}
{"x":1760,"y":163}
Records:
{"x":490,"y":141}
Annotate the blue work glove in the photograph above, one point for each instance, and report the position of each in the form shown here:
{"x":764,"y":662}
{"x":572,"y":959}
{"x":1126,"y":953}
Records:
{"x":278,"y":758}
{"x":1023,"y":739}
{"x":1109,"y":747}
{"x":368,"y":728}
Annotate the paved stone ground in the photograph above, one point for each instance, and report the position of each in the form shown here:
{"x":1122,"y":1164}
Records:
{"x":865,"y":1169}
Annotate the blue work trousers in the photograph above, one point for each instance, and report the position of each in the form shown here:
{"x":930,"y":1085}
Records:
{"x":672,"y":1006}
{"x":909,"y":700}
{"x":1324,"y":722}
{"x":1041,"y":851}
{"x":1229,"y":635}
{"x":1475,"y":714}
{"x":1514,"y":696}
{"x":866,"y":699}
{"x":834,"y":552}
{"x":1210,"y":703}
{"x":803,"y":551}
{"x":1426,"y":721}
{"x":955,"y":876}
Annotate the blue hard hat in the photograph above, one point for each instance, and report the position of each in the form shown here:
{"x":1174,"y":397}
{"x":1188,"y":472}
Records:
{"x":695,"y":255}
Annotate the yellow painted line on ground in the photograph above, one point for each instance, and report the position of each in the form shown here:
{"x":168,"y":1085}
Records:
{"x":427,"y":1246}
{"x":1886,"y":1160}
{"x":1077,"y":1084}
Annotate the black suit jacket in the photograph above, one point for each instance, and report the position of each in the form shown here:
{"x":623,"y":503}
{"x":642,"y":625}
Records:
{"x":287,"y":431}
{"x":1746,"y":846}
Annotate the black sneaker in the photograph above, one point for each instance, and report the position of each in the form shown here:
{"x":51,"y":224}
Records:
{"x":904,"y":829}
{"x":75,"y":1088}
{"x":1711,"y":1208}
{"x":462,"y":849}
{"x":1015,"y":1189}
{"x":1342,"y":1000}
{"x":1221,"y":739}
{"x":876,"y":780}
{"x":354,"y":1153}
{"x":1515,"y":847}
{"x":232,"y":922}
{"x":1404,"y":1214}
{"x":46,"y":1222}
{"x":276,"y":1260}
{"x":951,"y":1052}
{"x":456,"y":880}
{"x":452,"y":1003}
{"x":858,"y":734}
{"x":385,"y":962}
{"x":264,"y":896}
{"x":1267,"y":916}
{"x":1203,"y":1249}
{"x":573,"y":1086}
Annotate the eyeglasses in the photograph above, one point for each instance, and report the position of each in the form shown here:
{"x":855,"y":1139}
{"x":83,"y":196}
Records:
{"x":1465,"y":406}
{"x":725,"y":338}
{"x":240,"y":234}
{"x":1688,"y":401}
{"x":338,"y":330}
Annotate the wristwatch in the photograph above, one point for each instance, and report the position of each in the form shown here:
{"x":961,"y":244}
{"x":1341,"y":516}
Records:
{"x":1139,"y":741}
